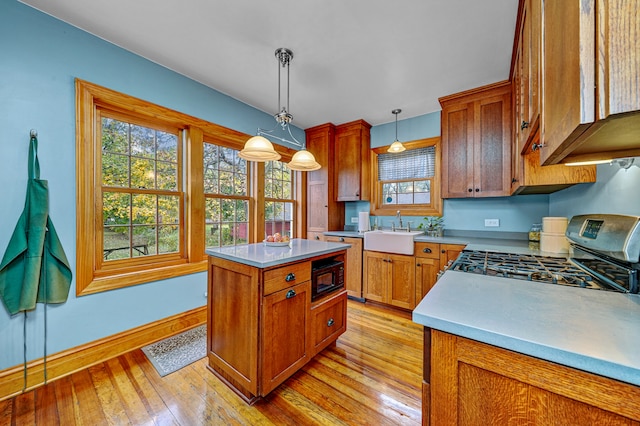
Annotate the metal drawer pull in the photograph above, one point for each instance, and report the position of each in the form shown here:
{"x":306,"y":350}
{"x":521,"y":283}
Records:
{"x":291,"y":293}
{"x":342,"y":239}
{"x":330,"y":322}
{"x":290,"y":277}
{"x":426,"y":250}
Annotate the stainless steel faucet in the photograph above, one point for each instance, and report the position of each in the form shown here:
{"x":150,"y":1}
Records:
{"x":399,"y":219}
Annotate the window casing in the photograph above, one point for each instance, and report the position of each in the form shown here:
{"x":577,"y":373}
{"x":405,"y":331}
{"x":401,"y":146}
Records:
{"x":408,"y":181}
{"x":146,"y":199}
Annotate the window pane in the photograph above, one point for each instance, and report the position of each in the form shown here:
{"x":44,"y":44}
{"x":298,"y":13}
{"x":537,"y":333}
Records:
{"x":116,"y":208}
{"x":115,"y":136}
{"x":167,"y":175}
{"x":143,"y":241}
{"x":143,"y":174}
{"x":116,"y":242}
{"x":168,"y":210}
{"x":167,"y":147}
{"x":115,"y":169}
{"x":144,"y":209}
{"x":143,"y":142}
{"x":168,"y":239}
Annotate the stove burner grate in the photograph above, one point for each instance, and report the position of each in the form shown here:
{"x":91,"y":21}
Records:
{"x":552,"y":270}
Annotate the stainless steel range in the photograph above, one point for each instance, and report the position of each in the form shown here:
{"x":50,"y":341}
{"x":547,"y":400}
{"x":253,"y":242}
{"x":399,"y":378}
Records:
{"x":604,"y":255}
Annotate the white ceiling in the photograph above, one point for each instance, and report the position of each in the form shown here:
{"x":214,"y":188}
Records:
{"x":352,"y":58}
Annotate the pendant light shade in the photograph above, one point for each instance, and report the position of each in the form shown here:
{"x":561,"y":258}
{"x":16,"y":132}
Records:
{"x":259,"y":149}
{"x":396,"y":146}
{"x":303,"y":161}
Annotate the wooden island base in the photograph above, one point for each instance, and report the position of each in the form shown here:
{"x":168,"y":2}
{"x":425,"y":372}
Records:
{"x":471,"y":383}
{"x":262,"y":324}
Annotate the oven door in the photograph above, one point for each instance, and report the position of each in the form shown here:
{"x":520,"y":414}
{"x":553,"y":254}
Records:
{"x":613,"y":273}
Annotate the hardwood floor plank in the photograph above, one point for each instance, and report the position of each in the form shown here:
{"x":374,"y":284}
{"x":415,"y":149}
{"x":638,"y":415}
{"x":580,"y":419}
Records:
{"x":371,"y":376}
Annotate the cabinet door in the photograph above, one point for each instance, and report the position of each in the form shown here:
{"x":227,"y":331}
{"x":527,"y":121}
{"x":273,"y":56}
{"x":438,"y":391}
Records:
{"x":568,"y":75}
{"x":426,"y":276}
{"x":449,"y":253}
{"x":402,"y":281}
{"x":375,"y":276}
{"x":328,"y":321}
{"x":353,"y":279}
{"x":352,"y":161}
{"x":285,"y":334}
{"x":457,"y":151}
{"x":492,"y":147}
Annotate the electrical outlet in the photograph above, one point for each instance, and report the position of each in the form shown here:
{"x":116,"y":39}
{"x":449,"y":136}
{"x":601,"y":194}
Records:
{"x":354,"y":220}
{"x":491,"y":222}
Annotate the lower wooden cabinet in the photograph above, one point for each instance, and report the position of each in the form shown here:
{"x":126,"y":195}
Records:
{"x":285,"y":327}
{"x":432,"y":258}
{"x":390,"y":279}
{"x":471,"y":383}
{"x":262,"y":326}
{"x":328,"y":321}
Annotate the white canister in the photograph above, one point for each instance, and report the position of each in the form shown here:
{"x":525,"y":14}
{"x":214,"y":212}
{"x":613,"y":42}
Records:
{"x":554,"y":243}
{"x":554,"y":225}
{"x":363,"y":222}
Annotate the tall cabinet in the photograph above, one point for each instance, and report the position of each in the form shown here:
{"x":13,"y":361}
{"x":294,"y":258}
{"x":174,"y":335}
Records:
{"x":352,"y":161}
{"x":324,"y":212}
{"x":476,"y":142}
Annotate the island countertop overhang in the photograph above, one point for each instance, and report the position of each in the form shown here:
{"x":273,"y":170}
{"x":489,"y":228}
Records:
{"x":260,"y":255}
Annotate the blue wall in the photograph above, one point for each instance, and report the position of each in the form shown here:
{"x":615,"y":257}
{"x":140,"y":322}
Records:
{"x":41,"y":57}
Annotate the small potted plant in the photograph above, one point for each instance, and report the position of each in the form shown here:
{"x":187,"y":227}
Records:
{"x":433,"y":226}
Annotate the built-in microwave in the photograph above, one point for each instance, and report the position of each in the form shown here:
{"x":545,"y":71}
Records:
{"x":327,"y":275}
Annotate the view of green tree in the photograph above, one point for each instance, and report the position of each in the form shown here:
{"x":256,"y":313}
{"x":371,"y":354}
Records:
{"x":137,"y":159}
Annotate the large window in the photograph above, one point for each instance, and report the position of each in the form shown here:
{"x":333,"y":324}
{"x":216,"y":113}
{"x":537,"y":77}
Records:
{"x":408,"y":181}
{"x":155,"y":187}
{"x":279,"y":204}
{"x":226,"y":194}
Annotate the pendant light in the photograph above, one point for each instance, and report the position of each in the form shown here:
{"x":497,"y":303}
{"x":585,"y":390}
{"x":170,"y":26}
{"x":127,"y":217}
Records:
{"x":259,"y":148}
{"x":396,"y":146}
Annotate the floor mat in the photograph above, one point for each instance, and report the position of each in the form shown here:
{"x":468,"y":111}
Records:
{"x":178,"y":351}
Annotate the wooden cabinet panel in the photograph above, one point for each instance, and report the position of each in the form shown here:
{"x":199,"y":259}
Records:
{"x":375,"y":276}
{"x":285,"y":330}
{"x":476,"y":142}
{"x":328,"y":321}
{"x":352,"y":161}
{"x":324,"y":213}
{"x":590,"y":89}
{"x":353,"y":279}
{"x":427,"y":249}
{"x":426,"y":275}
{"x":472,"y":383}
{"x":449,"y":253}
{"x":390,"y":279}
{"x":286,"y":276}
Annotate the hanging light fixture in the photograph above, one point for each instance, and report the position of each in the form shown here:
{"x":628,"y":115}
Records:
{"x":259,"y":148}
{"x":396,"y":146}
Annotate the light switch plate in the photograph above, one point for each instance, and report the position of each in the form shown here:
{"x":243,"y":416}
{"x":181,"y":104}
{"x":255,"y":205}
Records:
{"x":491,"y":222}
{"x":354,"y":220}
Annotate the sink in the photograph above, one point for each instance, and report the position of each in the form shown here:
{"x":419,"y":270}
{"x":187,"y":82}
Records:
{"x":399,"y":242}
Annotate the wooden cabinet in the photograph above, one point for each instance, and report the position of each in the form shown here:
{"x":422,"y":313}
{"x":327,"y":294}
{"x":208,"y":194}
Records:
{"x":262,"y":326}
{"x":471,"y":383}
{"x":324,"y":212}
{"x":285,"y":327}
{"x":352,"y":161}
{"x":328,"y":321}
{"x":432,"y":258}
{"x":390,"y":279}
{"x":353,"y":280}
{"x":590,"y":85}
{"x":476,"y":142}
{"x":528,"y":176}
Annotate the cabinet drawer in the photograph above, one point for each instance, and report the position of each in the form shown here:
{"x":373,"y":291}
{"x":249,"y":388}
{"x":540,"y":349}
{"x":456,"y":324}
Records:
{"x":286,"y":276}
{"x":328,"y":321}
{"x":429,"y":250}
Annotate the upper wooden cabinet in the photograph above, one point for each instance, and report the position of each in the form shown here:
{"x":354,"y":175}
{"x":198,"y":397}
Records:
{"x":324,"y":213}
{"x":526,"y":74}
{"x":476,"y":142}
{"x":590,"y":85}
{"x":352,"y":161}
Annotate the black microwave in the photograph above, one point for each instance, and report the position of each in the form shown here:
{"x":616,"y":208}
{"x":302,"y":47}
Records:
{"x":327,"y":275}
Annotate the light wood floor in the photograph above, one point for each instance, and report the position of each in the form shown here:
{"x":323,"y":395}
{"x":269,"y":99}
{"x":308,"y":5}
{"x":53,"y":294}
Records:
{"x":372,"y":376}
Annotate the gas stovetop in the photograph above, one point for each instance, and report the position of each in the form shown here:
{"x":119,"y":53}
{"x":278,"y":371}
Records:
{"x":542,"y":269}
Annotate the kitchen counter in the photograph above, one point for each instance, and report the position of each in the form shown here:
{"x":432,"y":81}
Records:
{"x":591,"y":330}
{"x":260,"y":255}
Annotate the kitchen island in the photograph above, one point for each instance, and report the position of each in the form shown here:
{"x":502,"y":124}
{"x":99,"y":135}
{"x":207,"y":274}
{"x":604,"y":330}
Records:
{"x":262,"y":324}
{"x":501,"y":351}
